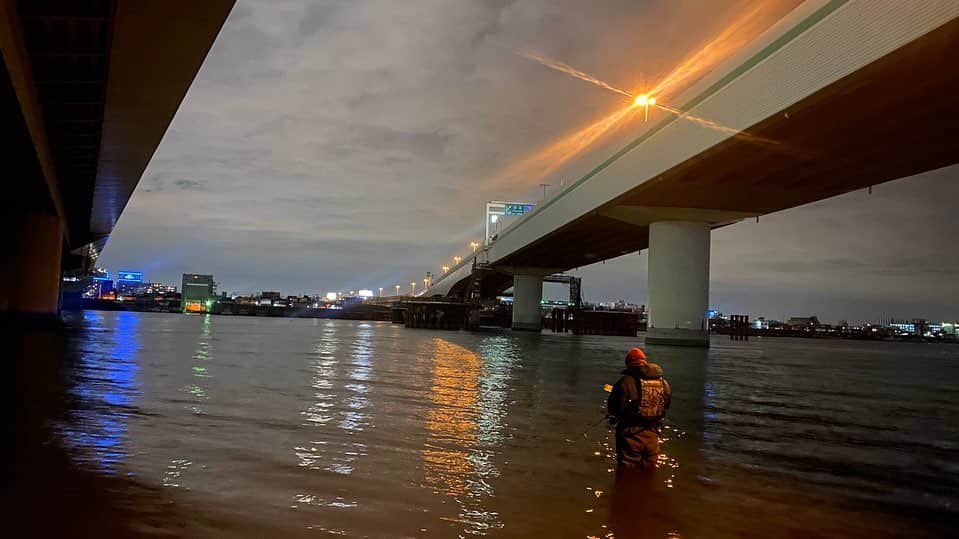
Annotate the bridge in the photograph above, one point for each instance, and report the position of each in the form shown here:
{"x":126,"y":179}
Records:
{"x":838,"y":96}
{"x":87,"y":90}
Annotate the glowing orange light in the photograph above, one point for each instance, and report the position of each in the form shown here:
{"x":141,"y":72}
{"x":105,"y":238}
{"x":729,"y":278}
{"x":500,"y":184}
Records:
{"x":553,"y":156}
{"x":738,"y":33}
{"x":645,"y":101}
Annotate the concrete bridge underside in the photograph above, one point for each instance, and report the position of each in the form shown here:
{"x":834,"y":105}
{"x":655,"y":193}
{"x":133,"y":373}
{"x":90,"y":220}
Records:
{"x":892,"y":116}
{"x":87,"y":90}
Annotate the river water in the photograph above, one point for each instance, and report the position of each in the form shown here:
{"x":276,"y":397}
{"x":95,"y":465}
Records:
{"x":241,"y":426}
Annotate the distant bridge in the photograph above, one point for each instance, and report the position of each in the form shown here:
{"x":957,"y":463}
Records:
{"x":854,"y":93}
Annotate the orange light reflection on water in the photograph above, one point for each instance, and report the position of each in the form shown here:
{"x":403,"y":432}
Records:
{"x":451,"y":422}
{"x":455,"y":462}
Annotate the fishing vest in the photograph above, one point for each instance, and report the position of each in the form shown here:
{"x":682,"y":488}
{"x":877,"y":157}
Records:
{"x":647,"y":398}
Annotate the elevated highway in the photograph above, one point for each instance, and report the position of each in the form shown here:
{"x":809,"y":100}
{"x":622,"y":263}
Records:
{"x":840,"y":95}
{"x":87,"y":90}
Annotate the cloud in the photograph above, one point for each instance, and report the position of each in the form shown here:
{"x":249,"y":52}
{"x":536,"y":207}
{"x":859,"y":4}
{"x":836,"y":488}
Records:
{"x":317,"y":16}
{"x":186,"y":185}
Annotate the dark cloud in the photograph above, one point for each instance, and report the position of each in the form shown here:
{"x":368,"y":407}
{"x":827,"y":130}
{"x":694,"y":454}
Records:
{"x":430,"y":145}
{"x":331,"y":145}
{"x":187,"y":185}
{"x":317,"y":15}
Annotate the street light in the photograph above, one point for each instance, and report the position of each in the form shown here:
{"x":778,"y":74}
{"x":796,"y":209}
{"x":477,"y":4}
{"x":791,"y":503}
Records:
{"x":474,"y":245}
{"x":413,"y":288}
{"x":457,"y":259}
{"x":381,"y":291}
{"x":397,"y":287}
{"x":446,"y":269}
{"x":644,"y":101}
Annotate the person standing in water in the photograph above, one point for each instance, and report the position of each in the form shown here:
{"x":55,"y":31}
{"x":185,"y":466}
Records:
{"x":637,"y":404}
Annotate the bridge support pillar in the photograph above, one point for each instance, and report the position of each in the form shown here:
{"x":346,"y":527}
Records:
{"x":678,"y":283}
{"x":527,"y":297}
{"x":30,"y":278}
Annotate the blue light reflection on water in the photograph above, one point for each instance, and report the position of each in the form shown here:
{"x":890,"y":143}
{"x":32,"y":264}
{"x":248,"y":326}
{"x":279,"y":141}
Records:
{"x":104,"y":391}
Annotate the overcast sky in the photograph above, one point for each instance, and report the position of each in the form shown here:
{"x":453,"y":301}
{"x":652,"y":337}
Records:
{"x":346,"y":145}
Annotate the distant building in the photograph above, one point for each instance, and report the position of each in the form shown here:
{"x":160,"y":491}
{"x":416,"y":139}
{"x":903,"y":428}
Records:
{"x":809,"y":323}
{"x":198,"y":293}
{"x":100,"y":285}
{"x":916,"y":326}
{"x":904,"y":327}
{"x":774,"y":324}
{"x":269,"y":295}
{"x":151,"y":289}
{"x":99,"y":288}
{"x":128,"y":282}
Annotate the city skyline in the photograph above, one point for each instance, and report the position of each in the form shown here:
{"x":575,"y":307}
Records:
{"x":369,"y":159}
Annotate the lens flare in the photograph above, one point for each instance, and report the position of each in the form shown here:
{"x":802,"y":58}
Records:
{"x":716,"y":126}
{"x":735,"y":36}
{"x":572,"y":71}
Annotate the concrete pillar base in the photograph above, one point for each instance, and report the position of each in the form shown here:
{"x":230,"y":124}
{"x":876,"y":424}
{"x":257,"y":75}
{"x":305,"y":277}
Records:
{"x":519,"y":326}
{"x":30,"y":274}
{"x":678,"y":337}
{"x":678,"y":283}
{"x":527,"y":297}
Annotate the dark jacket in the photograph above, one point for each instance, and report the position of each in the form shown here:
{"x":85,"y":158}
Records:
{"x":618,"y":404}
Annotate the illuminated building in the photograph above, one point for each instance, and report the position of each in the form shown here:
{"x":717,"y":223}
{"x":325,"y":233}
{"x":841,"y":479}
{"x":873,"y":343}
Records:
{"x":128,"y":282}
{"x":156,"y":288}
{"x":198,"y":293}
{"x":104,"y":288}
{"x":101,"y":286}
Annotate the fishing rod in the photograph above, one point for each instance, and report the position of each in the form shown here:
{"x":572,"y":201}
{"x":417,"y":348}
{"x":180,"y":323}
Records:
{"x":607,"y":388}
{"x":594,"y":425}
